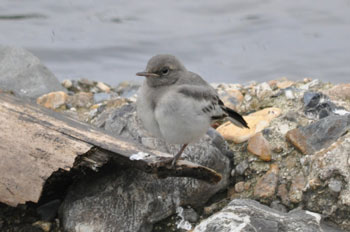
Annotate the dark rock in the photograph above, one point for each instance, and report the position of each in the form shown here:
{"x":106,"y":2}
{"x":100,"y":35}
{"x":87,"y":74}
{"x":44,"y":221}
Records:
{"x":131,"y":200}
{"x":241,"y":167}
{"x":49,"y":210}
{"x":23,"y":73}
{"x":320,"y":134}
{"x":248,"y":215}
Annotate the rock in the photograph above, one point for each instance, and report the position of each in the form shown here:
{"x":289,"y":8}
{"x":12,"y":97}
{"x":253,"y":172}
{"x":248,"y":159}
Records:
{"x":320,"y":134}
{"x":103,"y":87}
{"x":247,"y":215}
{"x":45,"y":226}
{"x":277,"y":206}
{"x":284,"y":84}
{"x":82,"y":100}
{"x":263,"y":90}
{"x":231,"y":97}
{"x":53,"y":100}
{"x":239,"y":187}
{"x":318,"y":105}
{"x":131,"y":200}
{"x":241,"y":167}
{"x":266,"y":186}
{"x":296,"y":189}
{"x":99,"y":97}
{"x":340,"y":91}
{"x":23,"y":73}
{"x":49,"y":210}
{"x":190,"y":215}
{"x":256,"y":121}
{"x":260,"y":147}
{"x":67,"y":84}
{"x":329,"y":178}
{"x":127,"y":88}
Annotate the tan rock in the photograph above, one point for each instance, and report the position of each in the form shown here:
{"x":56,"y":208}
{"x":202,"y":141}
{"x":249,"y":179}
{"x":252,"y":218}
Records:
{"x":239,"y":187}
{"x":67,"y":84}
{"x":82,"y":99}
{"x":45,"y":226}
{"x":340,"y":91}
{"x":53,"y":100}
{"x":284,"y":84}
{"x":297,"y":138}
{"x":256,"y":121}
{"x":103,"y":87}
{"x":266,"y":185}
{"x":260,"y":147}
{"x":296,"y":189}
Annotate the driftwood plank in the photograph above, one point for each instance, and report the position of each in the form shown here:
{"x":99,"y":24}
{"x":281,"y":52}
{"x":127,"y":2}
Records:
{"x":36,"y":142}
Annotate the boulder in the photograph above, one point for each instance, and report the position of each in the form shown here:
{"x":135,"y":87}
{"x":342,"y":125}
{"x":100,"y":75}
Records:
{"x":23,"y":73}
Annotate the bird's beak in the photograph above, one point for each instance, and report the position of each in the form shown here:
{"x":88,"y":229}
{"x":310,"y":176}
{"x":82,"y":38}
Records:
{"x":147,"y":74}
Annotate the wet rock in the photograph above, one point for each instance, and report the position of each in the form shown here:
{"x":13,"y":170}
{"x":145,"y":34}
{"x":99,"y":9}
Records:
{"x":320,"y":134}
{"x":340,"y":91}
{"x":23,"y":73}
{"x":266,"y":186}
{"x":260,"y":147}
{"x":296,"y":189}
{"x":139,"y":199}
{"x":53,"y":100}
{"x":248,"y":215}
{"x":82,"y":100}
{"x":256,"y":121}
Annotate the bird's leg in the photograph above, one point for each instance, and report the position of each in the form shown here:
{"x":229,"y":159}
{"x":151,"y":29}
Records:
{"x":177,"y":156}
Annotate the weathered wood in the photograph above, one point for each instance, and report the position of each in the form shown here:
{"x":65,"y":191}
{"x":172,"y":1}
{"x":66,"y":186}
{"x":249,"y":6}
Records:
{"x":36,"y":142}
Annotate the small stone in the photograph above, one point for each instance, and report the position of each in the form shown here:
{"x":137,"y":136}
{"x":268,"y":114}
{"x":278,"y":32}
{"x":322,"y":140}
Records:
{"x":99,"y":97}
{"x":231,"y":97}
{"x":335,"y":185}
{"x":82,"y":100}
{"x":266,"y":185}
{"x":239,"y":187}
{"x":45,"y":226}
{"x":241,"y":167}
{"x":67,"y":84}
{"x":263,"y":90}
{"x":260,"y":147}
{"x":85,"y":83}
{"x":340,"y":91}
{"x":296,"y":189}
{"x":103,"y":87}
{"x":284,"y":84}
{"x":233,"y":172}
{"x":282,"y":192}
{"x":299,"y":141}
{"x":53,"y":100}
{"x":278,"y":149}
{"x":289,"y":94}
{"x":256,"y":121}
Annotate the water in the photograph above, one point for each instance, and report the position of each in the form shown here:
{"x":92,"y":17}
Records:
{"x":224,"y":41}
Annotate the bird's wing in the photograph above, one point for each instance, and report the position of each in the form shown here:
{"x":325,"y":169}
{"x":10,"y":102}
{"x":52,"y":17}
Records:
{"x":211,"y":104}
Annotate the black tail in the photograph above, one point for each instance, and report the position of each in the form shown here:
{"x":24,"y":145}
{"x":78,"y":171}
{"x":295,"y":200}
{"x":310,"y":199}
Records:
{"x":235,"y":117}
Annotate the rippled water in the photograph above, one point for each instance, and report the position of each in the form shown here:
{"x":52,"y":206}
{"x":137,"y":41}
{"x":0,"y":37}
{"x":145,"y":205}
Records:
{"x":224,"y":41}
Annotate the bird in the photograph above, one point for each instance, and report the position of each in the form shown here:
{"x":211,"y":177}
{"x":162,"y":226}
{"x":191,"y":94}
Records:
{"x":178,"y":105}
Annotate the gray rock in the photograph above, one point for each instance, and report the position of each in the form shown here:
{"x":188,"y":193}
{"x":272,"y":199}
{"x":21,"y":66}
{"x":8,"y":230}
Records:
{"x":248,"y":215}
{"x":130,"y":200}
{"x":23,"y":73}
{"x":241,"y":167}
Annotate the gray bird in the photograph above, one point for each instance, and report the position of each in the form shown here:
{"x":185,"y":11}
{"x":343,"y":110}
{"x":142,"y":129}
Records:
{"x":178,"y":105}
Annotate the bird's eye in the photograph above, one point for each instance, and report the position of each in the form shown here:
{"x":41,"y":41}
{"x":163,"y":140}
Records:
{"x":165,"y":70}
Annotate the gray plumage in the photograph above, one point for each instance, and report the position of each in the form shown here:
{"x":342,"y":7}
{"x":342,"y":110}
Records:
{"x":178,"y":105}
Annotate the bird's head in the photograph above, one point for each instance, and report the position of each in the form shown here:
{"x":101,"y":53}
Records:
{"x":162,"y":70}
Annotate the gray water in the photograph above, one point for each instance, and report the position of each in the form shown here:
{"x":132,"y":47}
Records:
{"x":224,"y":41}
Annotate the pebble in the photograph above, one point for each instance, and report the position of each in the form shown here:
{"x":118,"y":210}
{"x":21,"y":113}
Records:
{"x":282,"y":192}
{"x":103,"y":87}
{"x":256,"y":121}
{"x":53,"y":100}
{"x":266,"y":185}
{"x":190,"y":215}
{"x":241,"y":167}
{"x":67,"y":84}
{"x":335,"y":185}
{"x":278,"y":206}
{"x":260,"y":147}
{"x":263,"y":90}
{"x":45,"y":226}
{"x":239,"y":187}
{"x":284,"y":84}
